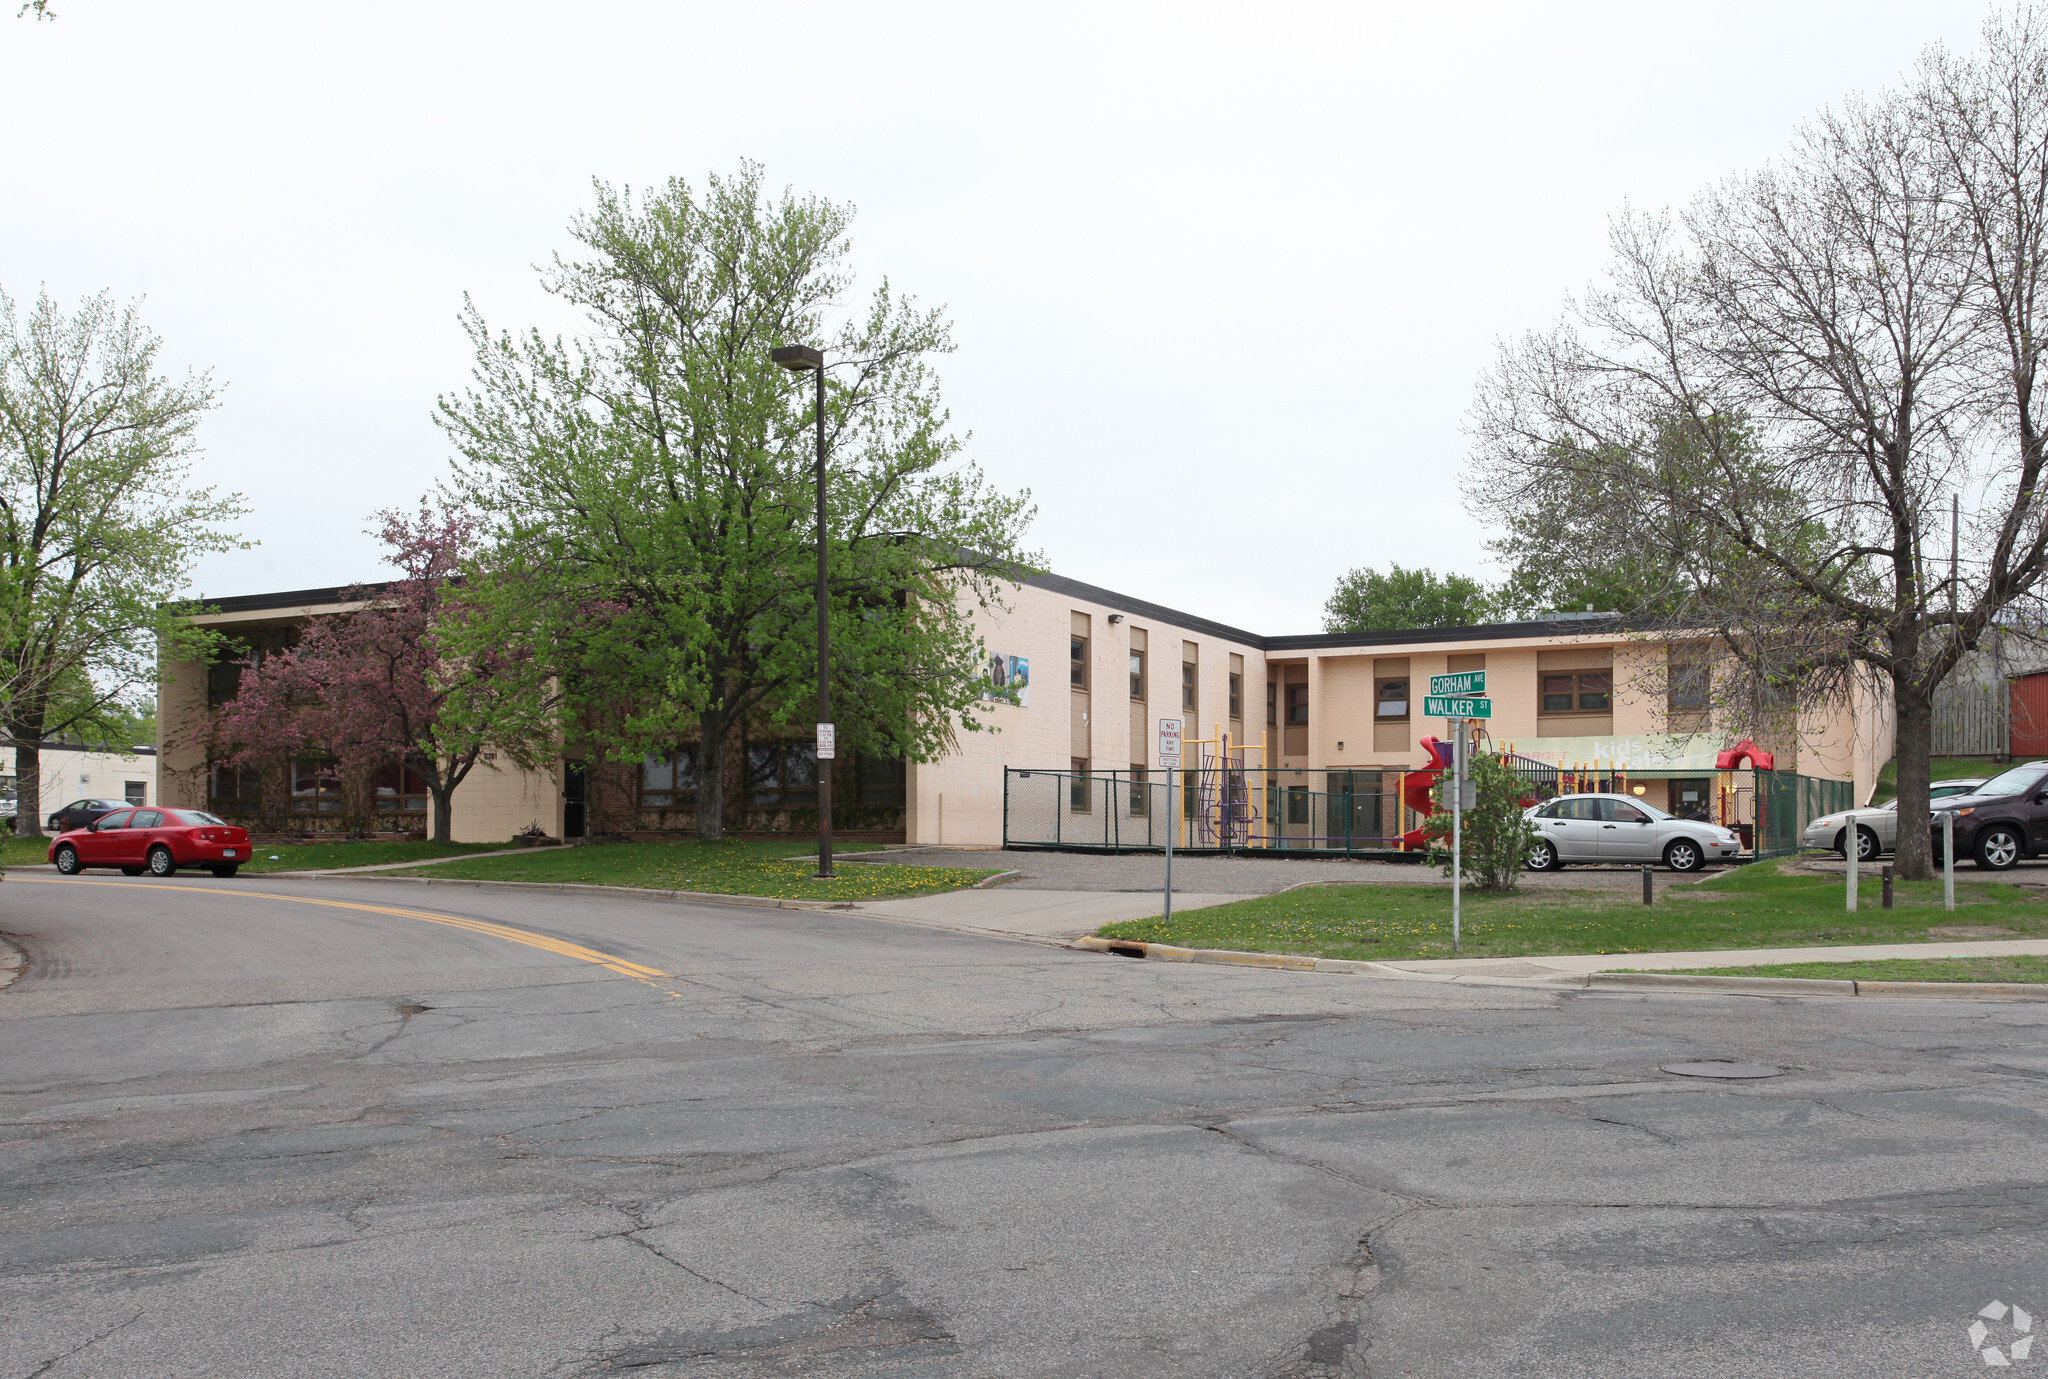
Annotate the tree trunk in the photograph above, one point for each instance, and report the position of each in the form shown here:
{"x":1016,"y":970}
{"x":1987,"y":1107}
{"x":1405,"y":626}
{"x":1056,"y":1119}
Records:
{"x":711,"y":734}
{"x":1912,"y":741}
{"x":444,"y":822}
{"x":28,"y":786}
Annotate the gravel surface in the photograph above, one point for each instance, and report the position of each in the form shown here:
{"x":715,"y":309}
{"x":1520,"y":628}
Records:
{"x":1093,"y":871}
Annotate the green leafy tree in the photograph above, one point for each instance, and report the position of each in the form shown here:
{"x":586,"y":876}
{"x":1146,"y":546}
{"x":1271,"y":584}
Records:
{"x":1495,"y":839}
{"x":649,"y":487}
{"x":99,"y":527}
{"x":1367,"y":601}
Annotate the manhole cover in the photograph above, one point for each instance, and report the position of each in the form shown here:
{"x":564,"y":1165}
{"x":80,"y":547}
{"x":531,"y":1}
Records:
{"x":1719,"y":1069}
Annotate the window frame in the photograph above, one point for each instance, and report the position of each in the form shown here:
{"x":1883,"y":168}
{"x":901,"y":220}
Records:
{"x":769,"y":778}
{"x":673,"y":795}
{"x":1140,"y":804}
{"x":1080,"y":794}
{"x":1406,"y":700}
{"x":1272,"y":703}
{"x":1579,"y":692}
{"x":1297,"y":701}
{"x":1190,"y":686}
{"x":1138,"y":677}
{"x":1077,"y":661}
{"x":1237,"y":695}
{"x":324,"y":797}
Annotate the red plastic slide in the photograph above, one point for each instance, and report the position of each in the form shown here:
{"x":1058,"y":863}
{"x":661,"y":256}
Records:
{"x":1416,"y":788}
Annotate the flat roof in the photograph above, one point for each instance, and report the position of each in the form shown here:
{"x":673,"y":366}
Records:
{"x":1570,"y":624}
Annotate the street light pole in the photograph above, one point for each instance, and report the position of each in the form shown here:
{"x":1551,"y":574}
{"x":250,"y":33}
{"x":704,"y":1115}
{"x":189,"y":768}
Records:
{"x":804,"y":359}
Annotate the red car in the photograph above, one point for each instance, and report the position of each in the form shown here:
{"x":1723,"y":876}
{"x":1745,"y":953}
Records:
{"x":158,"y":841}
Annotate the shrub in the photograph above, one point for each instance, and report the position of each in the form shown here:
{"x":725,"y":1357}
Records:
{"x":1496,"y":838}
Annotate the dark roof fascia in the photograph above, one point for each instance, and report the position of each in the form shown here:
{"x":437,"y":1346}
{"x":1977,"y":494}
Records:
{"x":1482,"y":632}
{"x":1074,"y":588}
{"x":289,"y":598}
{"x":138,"y":750}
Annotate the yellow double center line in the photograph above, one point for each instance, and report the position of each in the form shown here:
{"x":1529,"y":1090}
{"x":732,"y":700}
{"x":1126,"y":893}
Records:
{"x":474,"y":926}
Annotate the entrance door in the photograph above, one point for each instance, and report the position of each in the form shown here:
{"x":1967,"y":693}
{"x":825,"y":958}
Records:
{"x":573,"y":799}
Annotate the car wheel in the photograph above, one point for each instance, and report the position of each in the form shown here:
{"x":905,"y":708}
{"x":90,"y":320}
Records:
{"x":131,"y":871}
{"x":1998,"y":849}
{"x":67,"y":860}
{"x":1868,"y":848}
{"x":1684,"y":854}
{"x":1543,"y":857}
{"x":224,"y":873}
{"x":161,"y":863}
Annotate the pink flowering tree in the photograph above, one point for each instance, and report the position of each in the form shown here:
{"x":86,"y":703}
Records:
{"x":416,"y":678}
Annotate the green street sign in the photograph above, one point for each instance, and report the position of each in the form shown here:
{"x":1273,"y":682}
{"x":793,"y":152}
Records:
{"x":1462,"y":682}
{"x":1439,"y":706}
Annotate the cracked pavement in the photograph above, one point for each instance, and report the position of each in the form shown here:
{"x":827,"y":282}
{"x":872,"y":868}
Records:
{"x":245,"y":1136}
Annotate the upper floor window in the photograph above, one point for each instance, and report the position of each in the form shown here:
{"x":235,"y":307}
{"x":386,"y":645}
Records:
{"x":1391,"y":697}
{"x":1137,"y":675}
{"x":1584,"y":691}
{"x":1690,"y":687}
{"x":1187,"y":686}
{"x":1077,"y":655}
{"x":1272,"y":704}
{"x":1297,"y":705}
{"x":1236,"y":695}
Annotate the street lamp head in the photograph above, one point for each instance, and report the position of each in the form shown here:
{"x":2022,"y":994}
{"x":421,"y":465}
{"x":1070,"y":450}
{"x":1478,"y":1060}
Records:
{"x":799,"y":358}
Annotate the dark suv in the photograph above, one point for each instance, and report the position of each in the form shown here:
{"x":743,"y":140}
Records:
{"x":2002,"y":820}
{"x":79,"y":813}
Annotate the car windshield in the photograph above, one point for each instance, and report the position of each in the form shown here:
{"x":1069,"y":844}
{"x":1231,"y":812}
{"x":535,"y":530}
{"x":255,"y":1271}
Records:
{"x":2018,"y":781}
{"x":197,"y":817}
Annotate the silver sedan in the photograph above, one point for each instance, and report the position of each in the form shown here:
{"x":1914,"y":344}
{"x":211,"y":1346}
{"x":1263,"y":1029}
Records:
{"x":1877,"y":828}
{"x":1619,"y":828}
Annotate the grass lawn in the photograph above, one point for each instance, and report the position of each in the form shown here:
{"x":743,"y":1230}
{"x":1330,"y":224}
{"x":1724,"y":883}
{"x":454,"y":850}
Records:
{"x":733,"y":866}
{"x":2013,"y":969}
{"x":1757,"y":906}
{"x":1942,"y":768}
{"x":17,"y":852}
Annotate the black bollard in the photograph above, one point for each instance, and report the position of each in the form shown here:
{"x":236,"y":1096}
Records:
{"x":1649,"y":896}
{"x":1887,"y":888}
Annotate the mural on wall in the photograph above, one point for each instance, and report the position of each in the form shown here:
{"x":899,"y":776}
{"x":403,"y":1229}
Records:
{"x":1009,"y":679}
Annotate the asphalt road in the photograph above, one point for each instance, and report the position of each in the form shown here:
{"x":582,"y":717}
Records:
{"x":248,"y":1135}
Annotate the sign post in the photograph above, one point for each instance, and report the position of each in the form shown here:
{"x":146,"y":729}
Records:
{"x":1458,"y":748}
{"x":1458,"y":698}
{"x":1169,"y":757}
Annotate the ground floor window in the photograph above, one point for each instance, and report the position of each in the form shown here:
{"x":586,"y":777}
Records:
{"x":135,"y":791}
{"x":879,"y":780}
{"x":1141,"y":791}
{"x":669,"y":780}
{"x":400,"y":789}
{"x":782,"y":774}
{"x":234,"y":789}
{"x":1077,"y":786}
{"x":315,"y":787}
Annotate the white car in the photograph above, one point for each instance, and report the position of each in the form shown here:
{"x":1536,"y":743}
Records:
{"x":1877,"y":829}
{"x":1622,"y":829}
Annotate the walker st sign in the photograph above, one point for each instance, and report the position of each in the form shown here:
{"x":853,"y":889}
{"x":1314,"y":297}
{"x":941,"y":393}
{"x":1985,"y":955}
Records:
{"x":1442,"y":706}
{"x":1462,"y":682}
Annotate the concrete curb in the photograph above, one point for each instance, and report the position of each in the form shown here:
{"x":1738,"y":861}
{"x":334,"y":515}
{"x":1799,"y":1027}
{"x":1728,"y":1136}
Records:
{"x":1751,"y":986}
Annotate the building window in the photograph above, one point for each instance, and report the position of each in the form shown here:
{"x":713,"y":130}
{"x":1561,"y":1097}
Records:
{"x":1077,"y":655}
{"x":1584,"y":691}
{"x":1272,"y":704}
{"x":1190,"y":794}
{"x":1297,"y":804}
{"x":1297,"y":705}
{"x":1077,"y":786}
{"x":399,"y":790}
{"x":1187,"y":686}
{"x":223,"y":682}
{"x":1236,"y":695}
{"x":234,"y":790}
{"x":316,"y":787}
{"x":667,"y":782}
{"x":1392,"y":701}
{"x":1691,"y":685}
{"x":880,"y":781}
{"x":782,"y":774}
{"x":1141,"y":791}
{"x":1137,"y":675}
{"x":135,"y":791}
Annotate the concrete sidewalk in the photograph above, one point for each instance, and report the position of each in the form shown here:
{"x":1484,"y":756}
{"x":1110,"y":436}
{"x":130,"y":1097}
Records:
{"x":1579,"y":964}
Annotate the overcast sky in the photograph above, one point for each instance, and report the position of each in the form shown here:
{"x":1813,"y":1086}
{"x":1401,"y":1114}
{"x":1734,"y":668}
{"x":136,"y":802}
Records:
{"x":1222,"y":278}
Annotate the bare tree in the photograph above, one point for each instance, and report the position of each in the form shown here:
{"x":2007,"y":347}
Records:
{"x":1781,"y":392}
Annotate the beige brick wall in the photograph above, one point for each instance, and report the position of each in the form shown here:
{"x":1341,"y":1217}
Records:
{"x":494,"y":803}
